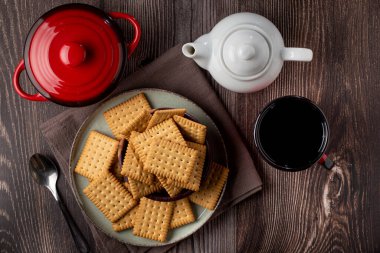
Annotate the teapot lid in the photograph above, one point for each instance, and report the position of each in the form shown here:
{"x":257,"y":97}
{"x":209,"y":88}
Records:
{"x":245,"y":52}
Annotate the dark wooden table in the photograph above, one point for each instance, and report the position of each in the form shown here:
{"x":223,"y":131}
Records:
{"x":310,"y":211}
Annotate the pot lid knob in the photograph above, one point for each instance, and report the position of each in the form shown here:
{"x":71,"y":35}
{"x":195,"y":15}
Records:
{"x":72,"y":54}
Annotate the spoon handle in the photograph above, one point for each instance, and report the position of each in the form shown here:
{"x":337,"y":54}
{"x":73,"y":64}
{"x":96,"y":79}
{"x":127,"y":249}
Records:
{"x":79,"y":239}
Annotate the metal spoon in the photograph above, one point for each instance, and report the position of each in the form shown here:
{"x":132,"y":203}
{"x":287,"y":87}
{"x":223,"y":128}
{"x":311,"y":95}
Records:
{"x":45,"y":173}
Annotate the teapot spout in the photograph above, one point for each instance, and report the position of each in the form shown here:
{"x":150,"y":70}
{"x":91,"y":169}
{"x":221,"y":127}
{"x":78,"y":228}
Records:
{"x":188,"y":50}
{"x":200,"y":52}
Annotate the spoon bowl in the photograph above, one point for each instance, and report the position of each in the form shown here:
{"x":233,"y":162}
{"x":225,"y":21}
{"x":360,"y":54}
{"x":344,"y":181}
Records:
{"x":43,"y":171}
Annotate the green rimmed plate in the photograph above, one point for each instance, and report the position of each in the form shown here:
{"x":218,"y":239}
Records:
{"x":157,"y":99}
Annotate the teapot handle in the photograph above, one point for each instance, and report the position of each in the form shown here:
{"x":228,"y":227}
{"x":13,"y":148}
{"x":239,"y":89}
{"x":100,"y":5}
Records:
{"x":296,"y":54}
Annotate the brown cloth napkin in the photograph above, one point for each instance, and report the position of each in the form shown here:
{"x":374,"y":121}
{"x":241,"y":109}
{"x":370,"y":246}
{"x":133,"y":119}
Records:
{"x":172,"y":71}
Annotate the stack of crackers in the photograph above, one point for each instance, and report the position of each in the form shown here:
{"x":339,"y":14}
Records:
{"x":166,"y":152}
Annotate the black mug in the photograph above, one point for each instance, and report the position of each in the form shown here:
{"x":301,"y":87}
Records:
{"x":292,"y":133}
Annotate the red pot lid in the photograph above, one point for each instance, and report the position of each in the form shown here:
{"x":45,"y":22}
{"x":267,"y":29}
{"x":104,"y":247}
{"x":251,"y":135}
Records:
{"x":74,"y":54}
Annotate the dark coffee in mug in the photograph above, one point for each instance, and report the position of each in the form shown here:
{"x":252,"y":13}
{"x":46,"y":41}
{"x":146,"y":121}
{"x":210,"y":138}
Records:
{"x":291,"y":133}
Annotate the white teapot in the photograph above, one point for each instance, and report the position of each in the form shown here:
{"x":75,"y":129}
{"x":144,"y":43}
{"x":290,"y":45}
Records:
{"x":244,"y":52}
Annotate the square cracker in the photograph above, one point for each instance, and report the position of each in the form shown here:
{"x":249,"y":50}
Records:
{"x":126,"y":221}
{"x":153,"y":219}
{"x":196,"y":177}
{"x":97,"y":155}
{"x":170,"y":188}
{"x":110,"y":196}
{"x":121,"y":117}
{"x":139,"y":189}
{"x":192,"y":131}
{"x":133,"y":168}
{"x":166,"y":130}
{"x":162,"y":115}
{"x":138,"y":123}
{"x":182,"y":214}
{"x":209,"y":192}
{"x":171,"y":160}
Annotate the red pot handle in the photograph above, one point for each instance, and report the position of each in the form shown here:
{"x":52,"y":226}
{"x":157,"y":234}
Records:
{"x":16,"y":84}
{"x":136,"y":26}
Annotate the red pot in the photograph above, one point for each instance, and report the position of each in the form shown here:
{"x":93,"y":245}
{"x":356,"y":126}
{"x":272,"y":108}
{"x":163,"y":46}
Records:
{"x":75,"y":54}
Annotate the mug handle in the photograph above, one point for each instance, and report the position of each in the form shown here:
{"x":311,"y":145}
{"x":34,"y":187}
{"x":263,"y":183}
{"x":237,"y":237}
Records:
{"x":296,"y":54}
{"x":326,"y":162}
{"x":16,"y":84}
{"x":136,"y":26}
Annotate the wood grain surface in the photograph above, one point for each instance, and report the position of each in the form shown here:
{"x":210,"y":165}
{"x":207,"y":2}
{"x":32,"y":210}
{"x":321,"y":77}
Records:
{"x":310,"y":211}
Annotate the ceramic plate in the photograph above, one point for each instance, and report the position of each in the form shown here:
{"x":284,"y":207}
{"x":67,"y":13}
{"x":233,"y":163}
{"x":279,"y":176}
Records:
{"x":157,"y":98}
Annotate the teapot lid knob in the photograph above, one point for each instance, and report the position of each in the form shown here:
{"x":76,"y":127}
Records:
{"x":245,"y":53}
